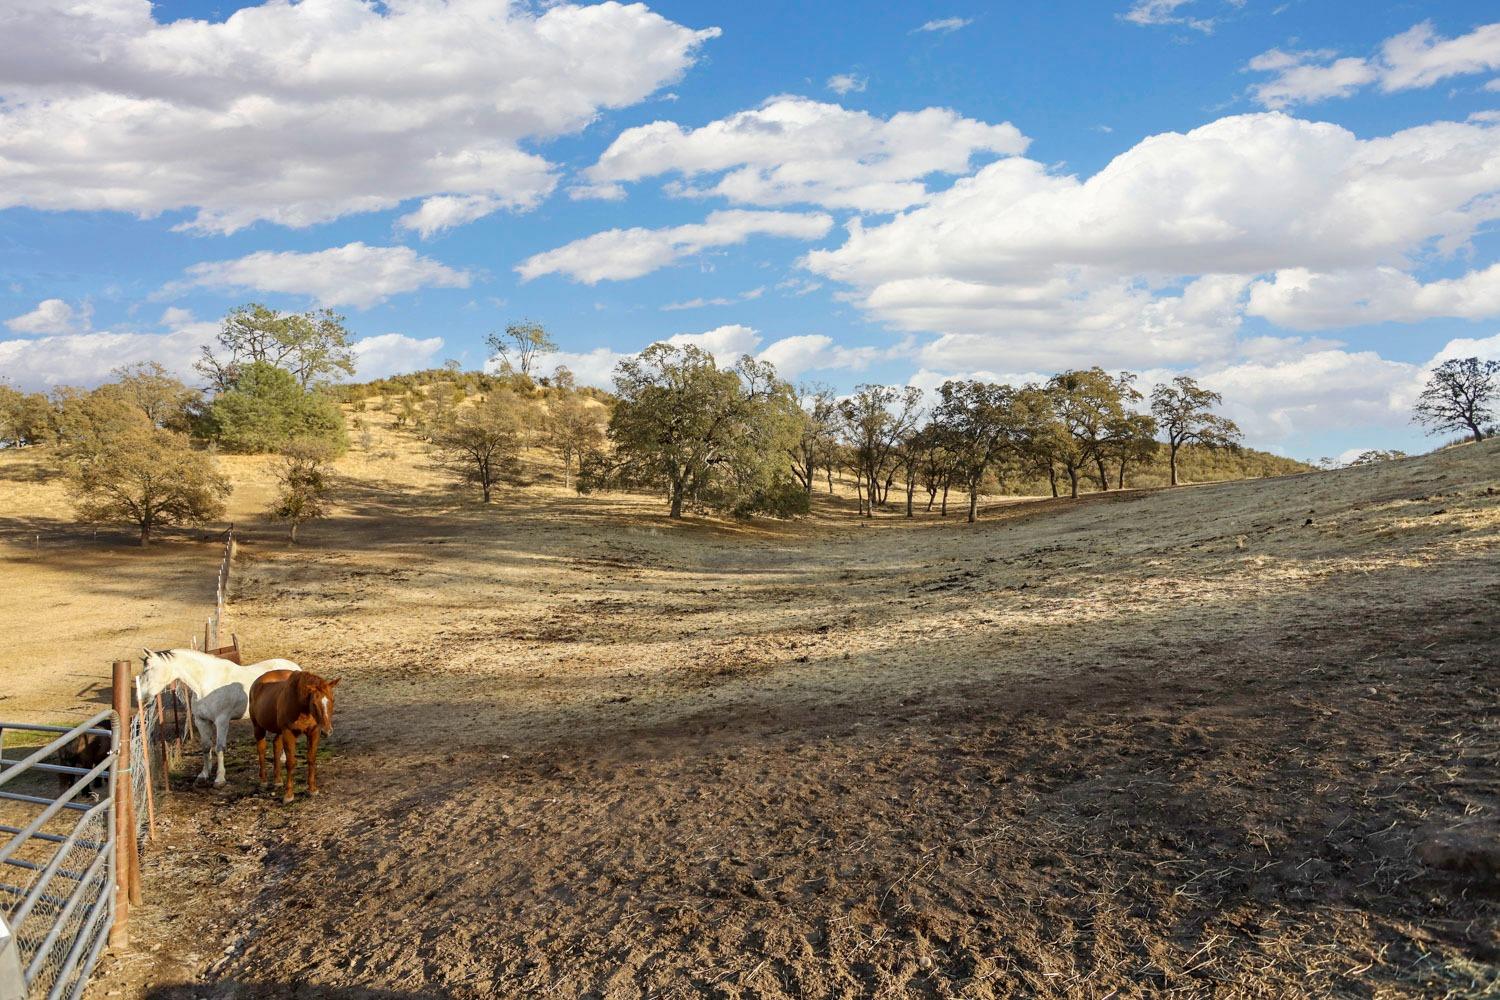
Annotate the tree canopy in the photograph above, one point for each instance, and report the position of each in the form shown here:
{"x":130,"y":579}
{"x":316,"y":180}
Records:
{"x":313,"y":346}
{"x":265,"y":409}
{"x":145,"y":476}
{"x":1184,"y":413}
{"x":705,"y":436}
{"x":1460,"y":396}
{"x":481,"y":444}
{"x":517,"y":349}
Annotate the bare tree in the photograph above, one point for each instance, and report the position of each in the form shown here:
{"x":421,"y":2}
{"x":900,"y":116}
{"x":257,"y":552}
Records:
{"x":1460,"y":396}
{"x":1184,"y":413}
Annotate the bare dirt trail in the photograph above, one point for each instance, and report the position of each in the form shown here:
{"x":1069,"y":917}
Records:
{"x":1181,"y":740}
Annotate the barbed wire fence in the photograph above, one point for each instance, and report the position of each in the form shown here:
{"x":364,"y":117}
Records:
{"x":70,"y":862}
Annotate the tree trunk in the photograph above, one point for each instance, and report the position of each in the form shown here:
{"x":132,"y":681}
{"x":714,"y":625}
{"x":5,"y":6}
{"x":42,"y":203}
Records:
{"x":1478,"y":431}
{"x":1121,"y":484}
{"x":145,"y":533}
{"x":1173,"y":462}
{"x":676,"y":511}
{"x":829,"y":471}
{"x":293,"y":531}
{"x":1073,"y":480}
{"x":910,"y":488}
{"x":1103,"y":475}
{"x":945,"y":500}
{"x":1052,"y":478}
{"x":931,"y":498}
{"x":859,"y":494}
{"x":973,"y":501}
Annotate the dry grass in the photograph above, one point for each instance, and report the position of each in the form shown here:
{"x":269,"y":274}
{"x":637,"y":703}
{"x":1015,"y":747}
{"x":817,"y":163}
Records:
{"x":1139,"y":742}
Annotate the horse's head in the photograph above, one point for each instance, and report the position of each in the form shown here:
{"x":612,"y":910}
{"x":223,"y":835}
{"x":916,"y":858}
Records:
{"x":158,"y":669}
{"x":321,"y":703}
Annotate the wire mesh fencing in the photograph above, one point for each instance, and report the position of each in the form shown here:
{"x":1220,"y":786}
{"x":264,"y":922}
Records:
{"x":69,"y":860}
{"x":59,"y":864}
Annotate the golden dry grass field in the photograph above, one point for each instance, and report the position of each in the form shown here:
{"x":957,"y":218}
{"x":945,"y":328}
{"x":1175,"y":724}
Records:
{"x":1192,"y":740}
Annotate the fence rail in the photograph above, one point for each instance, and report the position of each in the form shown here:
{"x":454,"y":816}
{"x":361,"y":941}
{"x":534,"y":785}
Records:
{"x":61,"y":865}
{"x":70,"y":868}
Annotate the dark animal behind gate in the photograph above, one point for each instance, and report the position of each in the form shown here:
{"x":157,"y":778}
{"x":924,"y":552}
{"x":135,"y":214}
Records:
{"x":87,"y":751}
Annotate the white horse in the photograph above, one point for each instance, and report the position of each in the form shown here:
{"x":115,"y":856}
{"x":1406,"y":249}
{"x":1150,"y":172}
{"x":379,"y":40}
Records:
{"x":221,"y":693}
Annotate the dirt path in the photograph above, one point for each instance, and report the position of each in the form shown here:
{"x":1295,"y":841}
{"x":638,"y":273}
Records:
{"x":1187,"y":740}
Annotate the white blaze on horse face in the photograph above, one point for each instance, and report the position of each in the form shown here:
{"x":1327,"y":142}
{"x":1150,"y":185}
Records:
{"x":327,"y":715}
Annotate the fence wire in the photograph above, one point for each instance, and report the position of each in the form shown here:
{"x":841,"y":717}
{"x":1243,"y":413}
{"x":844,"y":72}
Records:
{"x":61,"y":939}
{"x":144,"y":725}
{"x":58,"y":882}
{"x":58,"y":877}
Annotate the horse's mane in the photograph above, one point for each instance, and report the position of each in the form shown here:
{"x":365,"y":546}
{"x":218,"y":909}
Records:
{"x":306,"y":684}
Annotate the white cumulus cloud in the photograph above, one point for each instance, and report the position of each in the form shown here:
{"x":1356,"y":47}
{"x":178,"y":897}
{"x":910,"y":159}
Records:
{"x":1148,"y":261}
{"x":793,"y":150}
{"x":299,"y":113}
{"x":620,"y":254}
{"x":1301,"y":299}
{"x":1416,"y":58}
{"x":354,"y":275}
{"x":393,"y":353}
{"x":51,"y":316}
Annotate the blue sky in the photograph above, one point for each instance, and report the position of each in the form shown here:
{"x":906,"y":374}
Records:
{"x":1294,"y":201}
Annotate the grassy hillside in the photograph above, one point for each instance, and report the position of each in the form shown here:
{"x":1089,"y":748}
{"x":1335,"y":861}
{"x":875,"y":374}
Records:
{"x":1162,"y":739}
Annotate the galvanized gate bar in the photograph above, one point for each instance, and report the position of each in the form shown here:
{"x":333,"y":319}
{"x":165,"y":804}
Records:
{"x":91,"y":726}
{"x":24,"y":910}
{"x":55,"y":807}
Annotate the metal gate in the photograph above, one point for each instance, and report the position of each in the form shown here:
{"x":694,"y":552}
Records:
{"x":59,"y":866}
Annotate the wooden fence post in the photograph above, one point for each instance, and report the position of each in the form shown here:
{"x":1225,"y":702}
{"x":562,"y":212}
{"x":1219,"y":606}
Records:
{"x":119,"y":933}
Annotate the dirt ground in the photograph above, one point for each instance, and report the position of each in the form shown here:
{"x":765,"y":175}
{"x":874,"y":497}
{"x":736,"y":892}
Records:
{"x":1229,"y":740}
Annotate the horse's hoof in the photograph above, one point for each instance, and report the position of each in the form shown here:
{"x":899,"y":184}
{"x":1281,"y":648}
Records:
{"x":220,"y":783}
{"x":286,"y":800}
{"x":312,"y":791}
{"x":200,"y":780}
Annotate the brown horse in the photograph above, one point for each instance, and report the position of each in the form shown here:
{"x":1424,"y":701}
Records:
{"x":301,"y":703}
{"x":86,"y":751}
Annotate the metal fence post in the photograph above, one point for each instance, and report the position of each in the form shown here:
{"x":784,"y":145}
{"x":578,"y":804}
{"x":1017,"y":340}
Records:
{"x":12,"y":979}
{"x":127,"y":858}
{"x":123,"y":835}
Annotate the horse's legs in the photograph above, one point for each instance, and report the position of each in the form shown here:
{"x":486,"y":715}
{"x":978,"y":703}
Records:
{"x":289,"y":740}
{"x":221,"y":737}
{"x":276,"y":760}
{"x":312,"y":762}
{"x":260,"y":752}
{"x":204,"y":740}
